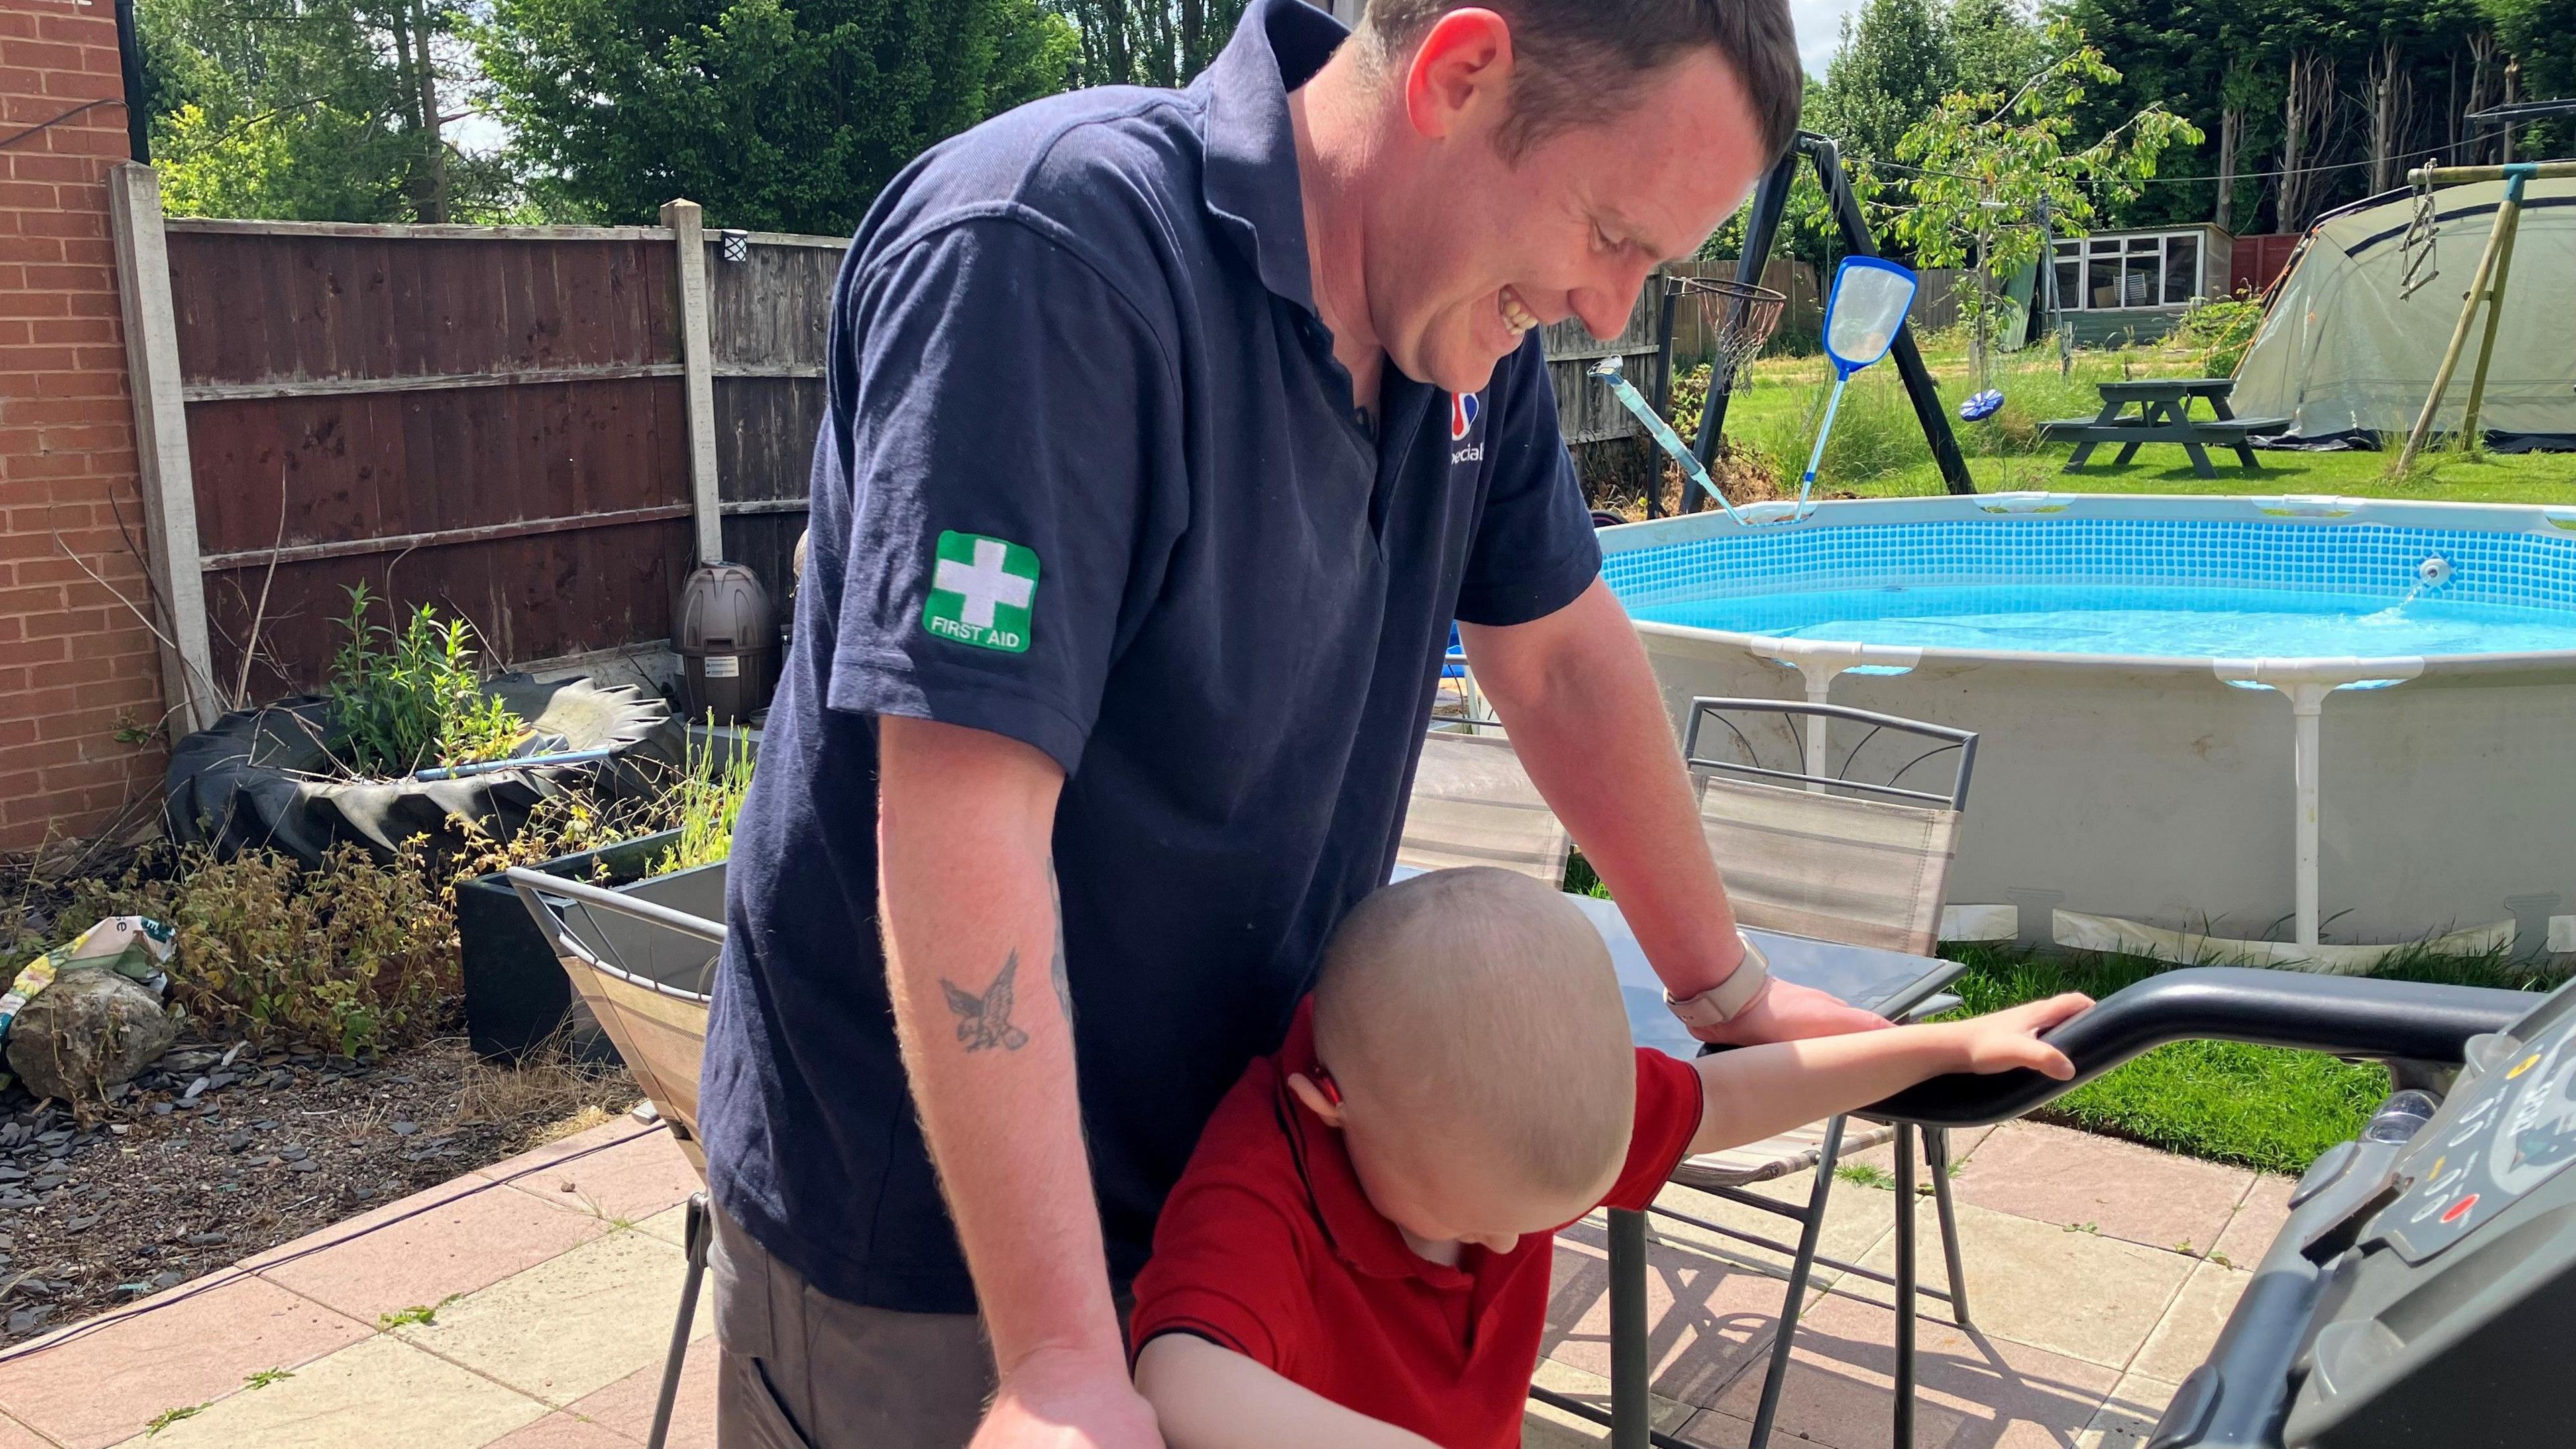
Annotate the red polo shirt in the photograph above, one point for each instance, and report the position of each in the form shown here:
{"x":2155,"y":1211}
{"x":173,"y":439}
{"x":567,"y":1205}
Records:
{"x":1268,"y":1247}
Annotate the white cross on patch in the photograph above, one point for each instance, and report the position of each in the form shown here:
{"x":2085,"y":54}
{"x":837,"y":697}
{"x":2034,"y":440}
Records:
{"x":982,"y":584}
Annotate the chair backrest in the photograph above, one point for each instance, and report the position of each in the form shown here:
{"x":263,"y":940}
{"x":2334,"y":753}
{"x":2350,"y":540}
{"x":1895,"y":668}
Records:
{"x":1473,"y":804}
{"x":1862,"y":872}
{"x":1856,"y":855}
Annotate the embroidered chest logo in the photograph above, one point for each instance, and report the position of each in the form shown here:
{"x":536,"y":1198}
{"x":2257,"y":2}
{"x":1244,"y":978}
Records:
{"x":981,"y":592}
{"x":1464,"y":409}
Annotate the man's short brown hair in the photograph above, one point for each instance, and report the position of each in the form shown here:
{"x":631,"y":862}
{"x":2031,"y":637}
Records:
{"x":1579,"y":59}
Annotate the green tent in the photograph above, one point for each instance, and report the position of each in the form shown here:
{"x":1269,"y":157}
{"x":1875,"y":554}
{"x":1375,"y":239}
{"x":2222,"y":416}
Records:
{"x":2348,"y":360}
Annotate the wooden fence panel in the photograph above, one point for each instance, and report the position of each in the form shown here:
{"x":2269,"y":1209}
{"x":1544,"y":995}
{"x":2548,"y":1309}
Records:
{"x":1587,"y":411}
{"x":491,"y":421}
{"x":769,"y":316}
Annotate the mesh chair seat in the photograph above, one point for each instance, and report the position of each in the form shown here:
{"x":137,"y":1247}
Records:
{"x":1794,"y":1151}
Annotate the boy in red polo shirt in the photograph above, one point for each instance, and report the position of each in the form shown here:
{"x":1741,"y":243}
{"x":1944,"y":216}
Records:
{"x":1357,"y":1254}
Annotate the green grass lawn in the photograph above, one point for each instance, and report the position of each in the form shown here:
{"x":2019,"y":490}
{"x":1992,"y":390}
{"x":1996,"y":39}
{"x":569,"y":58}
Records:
{"x":1878,"y":450}
{"x":2263,"y":1107}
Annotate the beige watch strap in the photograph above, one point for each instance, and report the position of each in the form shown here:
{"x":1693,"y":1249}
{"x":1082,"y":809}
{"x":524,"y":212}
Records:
{"x":1728,"y":999}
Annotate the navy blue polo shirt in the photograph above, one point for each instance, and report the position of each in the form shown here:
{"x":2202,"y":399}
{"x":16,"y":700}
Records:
{"x":1091,"y":479}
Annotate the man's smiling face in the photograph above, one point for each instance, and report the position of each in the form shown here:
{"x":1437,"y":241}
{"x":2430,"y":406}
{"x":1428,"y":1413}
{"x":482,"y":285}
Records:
{"x":1485,"y":248}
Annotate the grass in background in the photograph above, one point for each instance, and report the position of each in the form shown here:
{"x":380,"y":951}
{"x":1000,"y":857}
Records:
{"x":1878,"y":449}
{"x":2263,"y":1107}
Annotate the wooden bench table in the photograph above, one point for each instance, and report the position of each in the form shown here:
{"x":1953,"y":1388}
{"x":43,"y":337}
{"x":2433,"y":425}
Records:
{"x":2163,"y":416}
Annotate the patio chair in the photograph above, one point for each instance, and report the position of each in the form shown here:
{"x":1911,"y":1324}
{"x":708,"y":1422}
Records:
{"x":629,"y":958}
{"x":1846,"y":852}
{"x":1473,"y":804}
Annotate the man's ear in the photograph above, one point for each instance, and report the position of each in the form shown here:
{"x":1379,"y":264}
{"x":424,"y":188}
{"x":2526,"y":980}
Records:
{"x":1461,"y":74}
{"x":1324,"y":1108}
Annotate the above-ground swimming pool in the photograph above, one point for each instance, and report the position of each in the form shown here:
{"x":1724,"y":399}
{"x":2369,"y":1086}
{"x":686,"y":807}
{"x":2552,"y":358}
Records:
{"x":2141,"y":670}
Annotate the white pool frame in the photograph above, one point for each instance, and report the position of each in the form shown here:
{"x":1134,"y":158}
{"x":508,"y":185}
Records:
{"x":2185,"y":793}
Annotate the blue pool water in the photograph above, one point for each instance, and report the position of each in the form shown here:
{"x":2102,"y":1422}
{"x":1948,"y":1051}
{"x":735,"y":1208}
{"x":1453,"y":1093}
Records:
{"x":2076,"y":618}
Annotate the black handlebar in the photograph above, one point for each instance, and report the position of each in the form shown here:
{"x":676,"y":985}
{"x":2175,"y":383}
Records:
{"x":2343,"y":1015}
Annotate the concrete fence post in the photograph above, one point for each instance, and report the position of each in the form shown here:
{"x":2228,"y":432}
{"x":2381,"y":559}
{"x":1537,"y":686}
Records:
{"x":687,"y":222}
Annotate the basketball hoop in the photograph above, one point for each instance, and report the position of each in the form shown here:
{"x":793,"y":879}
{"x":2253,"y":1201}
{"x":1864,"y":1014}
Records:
{"x":1737,"y":318}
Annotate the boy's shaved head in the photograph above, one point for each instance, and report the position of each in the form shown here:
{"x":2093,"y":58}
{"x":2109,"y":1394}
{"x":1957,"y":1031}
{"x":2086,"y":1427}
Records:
{"x":1476,"y":1012}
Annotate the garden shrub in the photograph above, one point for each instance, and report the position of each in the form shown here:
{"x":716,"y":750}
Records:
{"x":404,"y":698}
{"x":2219,"y":332}
{"x":708,"y":798}
{"x":356,"y":955}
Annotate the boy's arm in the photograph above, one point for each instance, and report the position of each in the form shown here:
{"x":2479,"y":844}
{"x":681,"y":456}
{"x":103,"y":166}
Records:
{"x":1754,"y":1092}
{"x":1207,"y":1397}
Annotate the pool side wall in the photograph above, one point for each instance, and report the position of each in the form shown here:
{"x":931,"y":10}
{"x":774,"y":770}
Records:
{"x":2152,"y":790}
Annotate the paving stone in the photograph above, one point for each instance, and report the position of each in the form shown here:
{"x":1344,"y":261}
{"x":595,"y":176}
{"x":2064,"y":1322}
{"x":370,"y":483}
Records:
{"x":626,"y":1406}
{"x":2056,"y":1174}
{"x":2257,"y":1220}
{"x":381,"y":1391}
{"x":631,"y":1176}
{"x":571,"y":1325}
{"x":2085,"y":1295}
{"x":1544,"y":1426}
{"x":2128,"y":1417}
{"x":1709,"y":1317}
{"x":425,"y":1250}
{"x":2190,"y":1327}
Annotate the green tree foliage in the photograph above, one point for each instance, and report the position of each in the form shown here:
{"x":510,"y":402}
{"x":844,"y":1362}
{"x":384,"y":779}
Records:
{"x":772,"y":115}
{"x":1893,"y":66}
{"x":314,"y":110}
{"x":1150,"y":42}
{"x":1991,"y":167}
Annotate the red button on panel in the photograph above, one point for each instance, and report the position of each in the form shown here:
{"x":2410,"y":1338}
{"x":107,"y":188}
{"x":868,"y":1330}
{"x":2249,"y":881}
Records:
{"x":2460,"y":1209}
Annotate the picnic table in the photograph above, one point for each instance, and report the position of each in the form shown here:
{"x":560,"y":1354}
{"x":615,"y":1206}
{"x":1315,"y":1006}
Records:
{"x":2163,"y":416}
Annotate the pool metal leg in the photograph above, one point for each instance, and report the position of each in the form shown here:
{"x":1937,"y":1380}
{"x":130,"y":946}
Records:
{"x":1936,"y":1161}
{"x":1631,"y":1412}
{"x":1904,"y":1438}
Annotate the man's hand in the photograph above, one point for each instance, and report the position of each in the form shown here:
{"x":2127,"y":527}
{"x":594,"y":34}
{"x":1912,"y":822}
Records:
{"x":1786,"y":1011}
{"x":1058,"y":1400}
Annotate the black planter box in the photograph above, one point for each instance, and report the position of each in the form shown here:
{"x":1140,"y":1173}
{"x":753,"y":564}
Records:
{"x":516,"y":993}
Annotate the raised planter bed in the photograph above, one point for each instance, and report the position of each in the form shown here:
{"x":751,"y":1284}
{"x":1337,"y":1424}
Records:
{"x":517,"y":996}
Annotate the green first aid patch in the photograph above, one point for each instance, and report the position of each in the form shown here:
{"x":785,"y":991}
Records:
{"x":981,"y":592}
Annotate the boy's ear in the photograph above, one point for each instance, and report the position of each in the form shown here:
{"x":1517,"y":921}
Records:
{"x":1313,"y":1097}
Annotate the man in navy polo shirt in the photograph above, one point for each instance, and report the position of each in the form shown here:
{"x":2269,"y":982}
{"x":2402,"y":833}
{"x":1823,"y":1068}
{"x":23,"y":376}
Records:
{"x":1168,"y":433}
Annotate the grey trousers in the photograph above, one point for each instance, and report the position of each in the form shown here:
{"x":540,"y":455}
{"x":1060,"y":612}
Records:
{"x":803,"y":1370}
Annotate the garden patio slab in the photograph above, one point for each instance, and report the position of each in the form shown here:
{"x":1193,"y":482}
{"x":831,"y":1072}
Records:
{"x":2024,"y":1276}
{"x":1856,"y":1217}
{"x":2060,"y":1175}
{"x":616,"y":1171}
{"x":2257,"y":1221}
{"x":1973,"y":1390}
{"x":569,"y":1326}
{"x":2128,"y":1417}
{"x":1548,"y":1427}
{"x":88,"y":1387}
{"x":2190,"y":1328}
{"x":382,"y":1391}
{"x":1706,"y":1318}
{"x":563,"y":1313}
{"x":439,"y":1249}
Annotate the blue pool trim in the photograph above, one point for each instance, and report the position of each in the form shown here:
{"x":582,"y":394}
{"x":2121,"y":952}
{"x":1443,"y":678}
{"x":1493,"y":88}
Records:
{"x":2375,"y":560}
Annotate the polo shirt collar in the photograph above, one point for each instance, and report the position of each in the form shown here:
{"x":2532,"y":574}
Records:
{"x":1251,"y":178}
{"x":1359,"y":1234}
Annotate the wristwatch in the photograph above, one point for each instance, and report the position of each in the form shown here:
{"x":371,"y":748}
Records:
{"x":1728,"y":999}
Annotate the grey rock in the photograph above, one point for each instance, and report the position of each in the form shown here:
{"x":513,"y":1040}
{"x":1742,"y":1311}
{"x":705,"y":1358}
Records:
{"x":160,"y":1109}
{"x":293,"y":1154}
{"x":81,"y":1223}
{"x":404,"y":1129}
{"x":48,"y":1182}
{"x":208,"y":1240}
{"x":306,"y":1164}
{"x":237,"y":1141}
{"x":183,"y":1062}
{"x":89,"y":1031}
{"x":48,"y":1139}
{"x":196,"y":1089}
{"x":28,"y":1320}
{"x":13,"y":1174}
{"x":168,"y":1278}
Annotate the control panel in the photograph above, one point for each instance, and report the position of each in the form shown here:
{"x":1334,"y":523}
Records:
{"x":2498,"y":1137}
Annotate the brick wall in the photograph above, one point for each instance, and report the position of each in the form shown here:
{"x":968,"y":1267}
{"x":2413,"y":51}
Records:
{"x":76,"y":666}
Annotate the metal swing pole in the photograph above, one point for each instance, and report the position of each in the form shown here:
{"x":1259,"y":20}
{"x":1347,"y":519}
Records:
{"x":2486,"y":286}
{"x":1909,"y":359}
{"x":1761,"y":229}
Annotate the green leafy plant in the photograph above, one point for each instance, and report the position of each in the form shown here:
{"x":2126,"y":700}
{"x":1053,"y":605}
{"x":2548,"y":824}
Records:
{"x":404,"y":698}
{"x":356,"y":955}
{"x":708,"y":799}
{"x":2219,"y":333}
{"x":168,"y":1417}
{"x":1863,"y":1174}
{"x":267,"y":1376}
{"x":422,"y":1314}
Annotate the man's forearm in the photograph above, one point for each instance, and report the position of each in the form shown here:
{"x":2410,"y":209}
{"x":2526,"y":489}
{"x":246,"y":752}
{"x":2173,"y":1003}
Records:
{"x":975,"y":965}
{"x":1581,"y":704}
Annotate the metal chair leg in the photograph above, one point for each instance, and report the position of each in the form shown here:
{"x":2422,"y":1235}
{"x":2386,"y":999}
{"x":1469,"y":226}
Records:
{"x":1936,"y":1161}
{"x":1801,"y":1268}
{"x":1904,"y":1438}
{"x":698,"y":1230}
{"x":1631,"y":1410}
